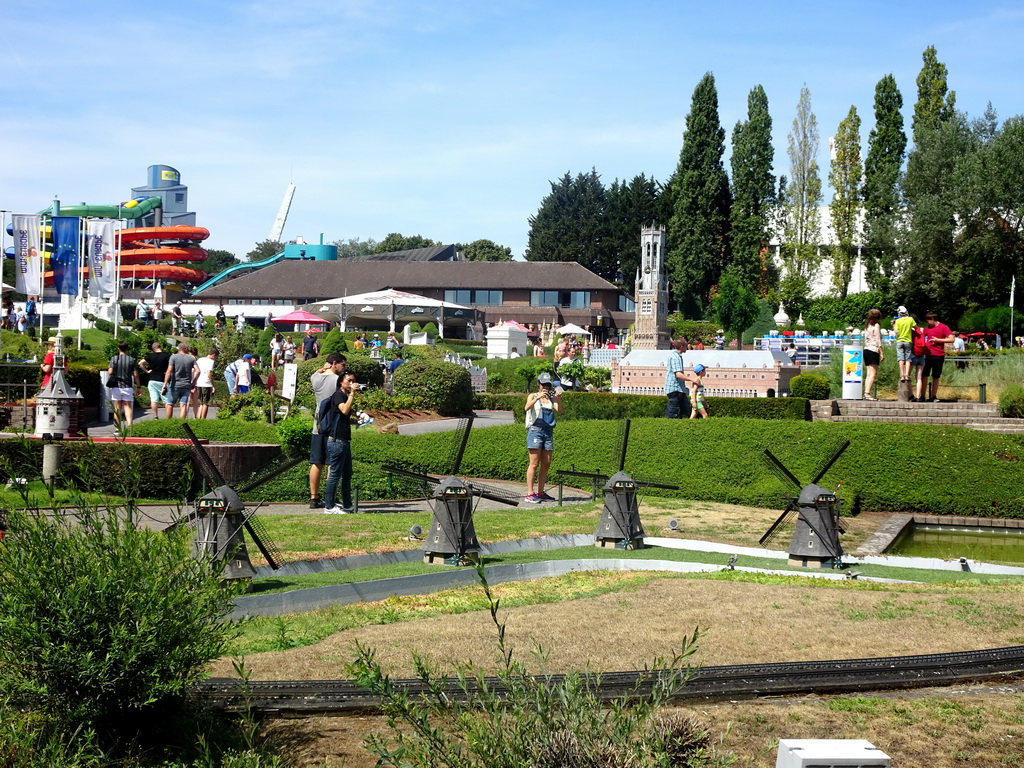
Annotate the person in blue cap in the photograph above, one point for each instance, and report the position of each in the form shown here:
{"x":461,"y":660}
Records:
{"x":700,"y":410}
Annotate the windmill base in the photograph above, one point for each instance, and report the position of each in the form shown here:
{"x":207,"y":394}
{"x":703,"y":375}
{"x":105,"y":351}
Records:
{"x":812,"y":562}
{"x":451,"y":558}
{"x":637,"y":543}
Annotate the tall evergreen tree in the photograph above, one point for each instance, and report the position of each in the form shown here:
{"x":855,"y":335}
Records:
{"x":698,"y":229}
{"x":845,"y":177}
{"x":629,"y":207}
{"x":801,"y":255}
{"x":570,"y":225}
{"x":887,"y":145}
{"x":935,"y":103}
{"x":753,"y":196}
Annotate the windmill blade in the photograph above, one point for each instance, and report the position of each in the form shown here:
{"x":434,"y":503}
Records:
{"x":422,"y":476}
{"x":781,"y":522}
{"x":827,"y":465}
{"x":202,"y":459}
{"x":652,"y":484}
{"x":494,"y":493}
{"x":262,"y":540}
{"x":589,"y":475}
{"x":268,"y":472}
{"x":776,"y":468}
{"x":623,"y":443}
{"x":459,"y":446}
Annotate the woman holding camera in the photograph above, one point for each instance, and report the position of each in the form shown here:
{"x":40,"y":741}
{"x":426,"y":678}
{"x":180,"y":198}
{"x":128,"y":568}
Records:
{"x":541,"y":407}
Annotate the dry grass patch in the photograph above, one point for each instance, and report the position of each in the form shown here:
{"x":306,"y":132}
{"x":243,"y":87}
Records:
{"x":741,"y":623}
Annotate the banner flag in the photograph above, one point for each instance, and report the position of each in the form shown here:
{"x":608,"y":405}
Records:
{"x":28,"y":260}
{"x":1013,"y":285}
{"x":65,"y":259}
{"x":101,"y":258}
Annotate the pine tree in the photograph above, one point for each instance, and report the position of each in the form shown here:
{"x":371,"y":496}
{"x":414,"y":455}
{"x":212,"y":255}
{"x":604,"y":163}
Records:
{"x":698,"y":229}
{"x":801,"y":255}
{"x":753,"y":196}
{"x":887,"y":145}
{"x":935,"y":105}
{"x":845,"y":177}
{"x":570,"y":225}
{"x":628,"y":208}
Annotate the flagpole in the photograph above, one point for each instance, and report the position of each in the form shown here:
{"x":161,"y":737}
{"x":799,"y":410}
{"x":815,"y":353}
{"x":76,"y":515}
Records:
{"x":81,"y":283}
{"x":117,"y":279}
{"x":1013,"y":285}
{"x":3,"y":251}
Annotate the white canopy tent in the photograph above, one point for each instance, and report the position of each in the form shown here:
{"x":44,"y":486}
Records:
{"x":391,"y":307}
{"x":572,"y":330}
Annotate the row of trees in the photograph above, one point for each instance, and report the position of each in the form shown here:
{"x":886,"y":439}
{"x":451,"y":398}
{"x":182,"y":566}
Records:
{"x":938,"y":227}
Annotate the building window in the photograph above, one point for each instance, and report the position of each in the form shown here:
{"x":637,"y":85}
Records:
{"x":488,"y":298}
{"x":567,"y":299}
{"x":626,"y":304}
{"x":645,"y":306}
{"x":453,"y":296}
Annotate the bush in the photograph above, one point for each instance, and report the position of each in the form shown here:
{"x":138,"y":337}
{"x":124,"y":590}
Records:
{"x":691,"y":329}
{"x":105,"y":625}
{"x":810,"y":386}
{"x":853,"y":310}
{"x":333,"y":341}
{"x":445,"y":387}
{"x":1011,"y":402}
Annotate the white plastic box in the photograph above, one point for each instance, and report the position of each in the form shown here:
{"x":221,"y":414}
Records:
{"x":826,"y":753}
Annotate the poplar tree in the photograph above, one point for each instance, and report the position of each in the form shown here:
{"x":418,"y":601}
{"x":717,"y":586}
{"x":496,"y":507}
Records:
{"x":887,"y":146}
{"x":845,"y":177}
{"x":935,"y":103}
{"x":698,"y":229}
{"x":753,"y":196}
{"x":801,"y":256}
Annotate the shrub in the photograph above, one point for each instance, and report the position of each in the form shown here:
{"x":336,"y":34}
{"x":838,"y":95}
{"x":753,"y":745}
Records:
{"x":333,"y":341}
{"x":1011,"y":402}
{"x":809,"y":385}
{"x":105,"y":625}
{"x":296,"y":433}
{"x":444,"y":387}
{"x":691,"y":329}
{"x":853,"y":310}
{"x":366,"y":369}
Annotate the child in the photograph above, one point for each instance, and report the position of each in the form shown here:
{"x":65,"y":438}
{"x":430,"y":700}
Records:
{"x":697,"y":393}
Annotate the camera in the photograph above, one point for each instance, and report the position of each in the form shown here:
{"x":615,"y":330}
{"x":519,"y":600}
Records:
{"x":357,"y":386}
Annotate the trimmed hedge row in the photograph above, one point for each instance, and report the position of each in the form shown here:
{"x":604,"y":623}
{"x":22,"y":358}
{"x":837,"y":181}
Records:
{"x":719,"y":460}
{"x":580,"y":406}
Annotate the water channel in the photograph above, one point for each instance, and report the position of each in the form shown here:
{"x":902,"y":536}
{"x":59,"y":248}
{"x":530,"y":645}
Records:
{"x":989,"y":545}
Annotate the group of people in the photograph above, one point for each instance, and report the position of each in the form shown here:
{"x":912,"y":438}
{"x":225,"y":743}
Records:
{"x":18,"y":318}
{"x":920,"y":351}
{"x":363,"y":342}
{"x":150,"y":316}
{"x":685,"y":391}
{"x":334,"y":389}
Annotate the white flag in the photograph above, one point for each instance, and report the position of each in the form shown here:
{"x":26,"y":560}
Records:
{"x":1013,"y":284}
{"x":28,"y":260}
{"x":102,"y":266}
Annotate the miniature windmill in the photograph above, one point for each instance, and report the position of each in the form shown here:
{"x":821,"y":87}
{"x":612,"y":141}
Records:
{"x":452,"y":538}
{"x":815,"y":542}
{"x":220,"y":518}
{"x":620,"y":525}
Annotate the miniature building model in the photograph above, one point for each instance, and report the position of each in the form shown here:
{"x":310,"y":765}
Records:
{"x":220,"y":517}
{"x":650,"y":330}
{"x":59,"y":408}
{"x":815,"y":542}
{"x":452,"y":538}
{"x":620,"y":526}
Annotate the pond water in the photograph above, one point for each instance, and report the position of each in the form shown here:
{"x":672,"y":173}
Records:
{"x":990,"y":545}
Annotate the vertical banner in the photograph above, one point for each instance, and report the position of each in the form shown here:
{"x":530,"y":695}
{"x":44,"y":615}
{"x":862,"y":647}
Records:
{"x":65,"y":258}
{"x":101,"y":258}
{"x":27,"y":259}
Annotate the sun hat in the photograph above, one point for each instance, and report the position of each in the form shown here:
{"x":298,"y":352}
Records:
{"x":902,"y":310}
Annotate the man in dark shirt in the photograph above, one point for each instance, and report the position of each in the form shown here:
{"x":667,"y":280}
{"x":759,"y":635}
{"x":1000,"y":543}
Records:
{"x":155,"y":366}
{"x":339,"y":449}
{"x":222,"y":318}
{"x":310,"y":346}
{"x":180,"y":380}
{"x":121,"y":374}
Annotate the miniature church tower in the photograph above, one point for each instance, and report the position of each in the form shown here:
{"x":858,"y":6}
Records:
{"x":651,"y":326}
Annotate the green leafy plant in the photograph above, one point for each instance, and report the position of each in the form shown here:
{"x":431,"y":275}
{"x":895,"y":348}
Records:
{"x":1011,"y":402}
{"x":444,"y":387}
{"x":810,"y":385}
{"x":517,"y":719}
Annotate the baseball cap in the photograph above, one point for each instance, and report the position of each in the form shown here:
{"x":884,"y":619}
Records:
{"x":544,"y":378}
{"x":247,"y":356}
{"x":699,"y":368}
{"x":902,"y":310}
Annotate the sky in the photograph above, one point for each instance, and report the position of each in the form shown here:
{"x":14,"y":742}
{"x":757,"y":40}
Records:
{"x":447,"y":119}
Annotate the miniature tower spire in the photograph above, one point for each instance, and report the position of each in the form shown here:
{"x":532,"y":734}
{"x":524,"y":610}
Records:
{"x":651,"y":328}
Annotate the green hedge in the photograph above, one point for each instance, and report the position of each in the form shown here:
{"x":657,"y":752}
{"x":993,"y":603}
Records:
{"x":718,"y":460}
{"x":579,"y":406}
{"x":445,"y":387}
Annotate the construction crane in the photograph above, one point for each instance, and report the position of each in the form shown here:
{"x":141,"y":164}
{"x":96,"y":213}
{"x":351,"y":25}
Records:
{"x":282,"y":214}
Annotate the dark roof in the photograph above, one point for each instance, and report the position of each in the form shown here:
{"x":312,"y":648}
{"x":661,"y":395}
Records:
{"x":434,"y":253}
{"x":317,"y":280}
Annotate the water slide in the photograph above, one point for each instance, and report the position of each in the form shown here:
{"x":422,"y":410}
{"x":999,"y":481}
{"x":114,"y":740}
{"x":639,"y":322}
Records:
{"x":244,"y":266}
{"x":149,"y":272}
{"x":133,"y":209}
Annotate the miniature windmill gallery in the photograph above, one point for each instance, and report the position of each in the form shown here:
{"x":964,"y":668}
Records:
{"x":60,"y":409}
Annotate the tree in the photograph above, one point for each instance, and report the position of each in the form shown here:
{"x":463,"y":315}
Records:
{"x":264,"y":250}
{"x":398,"y":242}
{"x":801,"y":255}
{"x":355,"y":247}
{"x":753,"y":195}
{"x":935,"y":105}
{"x":216,"y":261}
{"x":699,"y":227}
{"x":887,"y":145}
{"x":735,"y":307}
{"x":628,"y":208}
{"x":570,"y":224}
{"x":845,"y":177}
{"x":485,"y":250}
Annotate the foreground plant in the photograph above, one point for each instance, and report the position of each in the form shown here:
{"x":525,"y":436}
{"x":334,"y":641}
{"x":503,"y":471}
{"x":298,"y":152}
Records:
{"x":517,"y":719}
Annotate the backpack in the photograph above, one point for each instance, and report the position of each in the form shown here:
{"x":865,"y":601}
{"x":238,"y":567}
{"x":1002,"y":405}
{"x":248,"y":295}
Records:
{"x":327,"y":418}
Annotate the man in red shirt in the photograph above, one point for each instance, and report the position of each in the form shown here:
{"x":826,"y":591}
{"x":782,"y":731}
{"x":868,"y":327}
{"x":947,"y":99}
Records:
{"x":936,"y":336}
